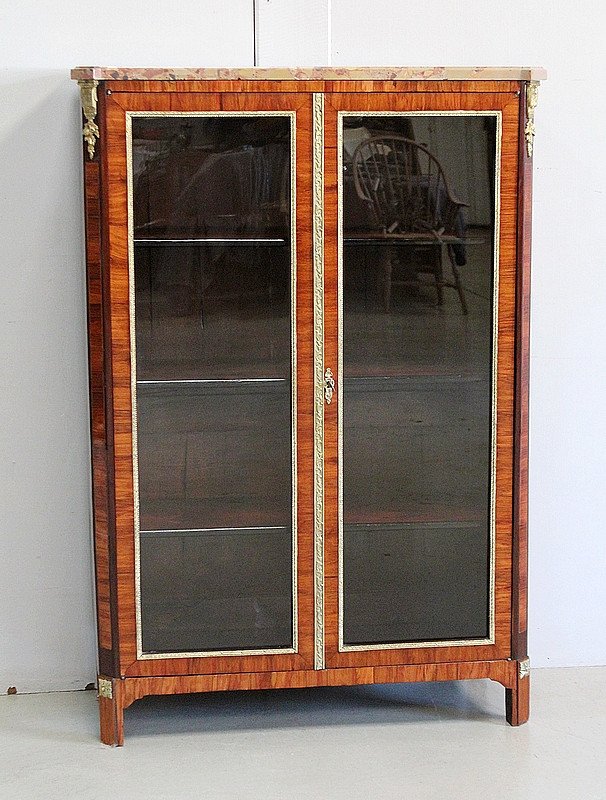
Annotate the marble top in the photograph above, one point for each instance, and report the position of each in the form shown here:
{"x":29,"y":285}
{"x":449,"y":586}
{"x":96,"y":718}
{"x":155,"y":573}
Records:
{"x":311,"y":73}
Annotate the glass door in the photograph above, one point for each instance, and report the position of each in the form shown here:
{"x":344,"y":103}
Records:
{"x":414,"y":532}
{"x":219,"y":473}
{"x":215,"y":397}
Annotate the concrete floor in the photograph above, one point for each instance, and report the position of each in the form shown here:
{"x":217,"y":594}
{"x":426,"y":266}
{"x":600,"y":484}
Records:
{"x":444,"y":740}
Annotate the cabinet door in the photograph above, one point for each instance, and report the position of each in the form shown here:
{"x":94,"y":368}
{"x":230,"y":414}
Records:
{"x":211,"y":356}
{"x":420,"y":268}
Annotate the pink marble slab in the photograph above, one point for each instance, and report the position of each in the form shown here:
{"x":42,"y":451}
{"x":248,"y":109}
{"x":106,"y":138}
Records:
{"x":312,"y":73}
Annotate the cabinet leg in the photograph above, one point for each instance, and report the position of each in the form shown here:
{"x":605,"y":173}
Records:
{"x":517,"y":699}
{"x":438,"y":276}
{"x":111,"y":711}
{"x":387,"y":269}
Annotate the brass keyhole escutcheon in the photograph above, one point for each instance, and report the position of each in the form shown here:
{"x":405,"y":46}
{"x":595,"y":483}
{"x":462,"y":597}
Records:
{"x":329,"y":386}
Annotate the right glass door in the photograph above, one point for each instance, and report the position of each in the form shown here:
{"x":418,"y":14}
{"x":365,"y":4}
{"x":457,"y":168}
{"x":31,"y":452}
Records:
{"x":417,"y":296}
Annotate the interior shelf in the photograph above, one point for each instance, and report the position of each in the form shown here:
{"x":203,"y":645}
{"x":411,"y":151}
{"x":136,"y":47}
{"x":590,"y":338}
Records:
{"x":180,"y":532}
{"x":212,"y":241}
{"x":361,"y":382}
{"x":230,"y":514}
{"x":373,"y":379}
{"x":199,"y":387}
{"x":192,"y":382}
{"x":355,"y":378}
{"x":438,"y":517}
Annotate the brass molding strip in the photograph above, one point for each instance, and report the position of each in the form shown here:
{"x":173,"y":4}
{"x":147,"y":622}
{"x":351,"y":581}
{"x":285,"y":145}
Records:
{"x":318,"y":268}
{"x":88,"y":99}
{"x":532,"y":98}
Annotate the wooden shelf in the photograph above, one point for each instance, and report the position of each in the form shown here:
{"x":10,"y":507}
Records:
{"x":181,"y":532}
{"x":213,"y":241}
{"x":226,"y":514}
{"x":226,"y":387}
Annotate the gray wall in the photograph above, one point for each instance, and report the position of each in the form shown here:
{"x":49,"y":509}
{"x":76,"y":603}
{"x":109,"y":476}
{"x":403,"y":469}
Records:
{"x":46,"y":614}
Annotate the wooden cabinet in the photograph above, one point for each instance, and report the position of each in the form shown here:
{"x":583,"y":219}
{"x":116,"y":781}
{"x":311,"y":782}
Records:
{"x":308,"y":315}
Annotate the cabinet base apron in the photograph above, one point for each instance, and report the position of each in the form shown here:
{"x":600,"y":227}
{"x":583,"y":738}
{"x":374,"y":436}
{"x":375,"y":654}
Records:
{"x":116,"y":694}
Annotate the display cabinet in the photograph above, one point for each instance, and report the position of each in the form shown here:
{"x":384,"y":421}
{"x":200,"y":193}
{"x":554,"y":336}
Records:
{"x":308,"y":320}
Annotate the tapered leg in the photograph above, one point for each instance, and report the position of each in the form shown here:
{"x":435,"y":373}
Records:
{"x":111,"y":711}
{"x":387,"y":269}
{"x":517,"y":700}
{"x":458,"y":282}
{"x":439,"y":277}
{"x":459,"y":287}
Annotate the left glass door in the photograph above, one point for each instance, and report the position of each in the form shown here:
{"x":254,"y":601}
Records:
{"x":213,"y":374}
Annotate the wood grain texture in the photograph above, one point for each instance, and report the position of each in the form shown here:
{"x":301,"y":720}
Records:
{"x":127,"y":690}
{"x":304,"y":87}
{"x":507,"y":103}
{"x":517,"y":699}
{"x":420,"y":87}
{"x":111,"y":419}
{"x":111,"y":715}
{"x":519,"y":620}
{"x":503,"y":672}
{"x":121,"y":380}
{"x":92,"y":210}
{"x":100,"y":405}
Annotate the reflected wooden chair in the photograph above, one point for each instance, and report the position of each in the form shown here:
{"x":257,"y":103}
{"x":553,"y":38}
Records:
{"x":415,"y":214}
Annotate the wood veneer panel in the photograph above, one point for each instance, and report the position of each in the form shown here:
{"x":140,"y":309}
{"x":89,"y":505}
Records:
{"x":111,"y":715}
{"x":522,"y":370}
{"x":115,"y":154}
{"x":517,"y":700}
{"x":423,"y":87}
{"x":502,"y":671}
{"x":121,"y":379}
{"x":215,"y":87}
{"x":92,"y":205}
{"x":303,"y":87}
{"x":508,"y":104}
{"x":100,"y":403}
{"x":331,"y":359}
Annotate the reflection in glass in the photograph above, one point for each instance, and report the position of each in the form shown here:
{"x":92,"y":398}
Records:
{"x":213,"y":333}
{"x":418,"y":206}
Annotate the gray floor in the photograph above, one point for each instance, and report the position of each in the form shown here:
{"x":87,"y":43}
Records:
{"x":444,"y":740}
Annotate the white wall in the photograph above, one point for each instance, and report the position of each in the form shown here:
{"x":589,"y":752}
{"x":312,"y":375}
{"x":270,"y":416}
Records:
{"x":47,"y":631}
{"x":46,"y":613}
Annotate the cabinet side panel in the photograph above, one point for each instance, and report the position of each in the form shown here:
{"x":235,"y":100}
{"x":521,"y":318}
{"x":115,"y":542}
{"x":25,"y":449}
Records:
{"x":100,"y":413}
{"x":522,"y":363}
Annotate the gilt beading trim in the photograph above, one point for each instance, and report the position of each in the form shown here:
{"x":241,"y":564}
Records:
{"x":318,"y":262}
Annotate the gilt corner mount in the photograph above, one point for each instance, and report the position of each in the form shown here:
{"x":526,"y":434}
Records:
{"x":88,"y":99}
{"x":532,"y":98}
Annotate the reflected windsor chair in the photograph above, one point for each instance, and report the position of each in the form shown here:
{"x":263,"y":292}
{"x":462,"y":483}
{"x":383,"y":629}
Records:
{"x":414,"y":210}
